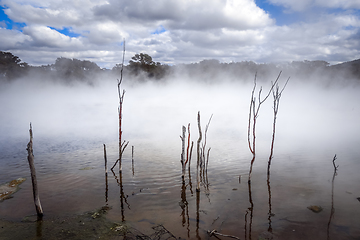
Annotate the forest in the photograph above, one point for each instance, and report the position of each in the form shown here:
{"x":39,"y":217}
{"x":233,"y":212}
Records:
{"x":141,"y":68}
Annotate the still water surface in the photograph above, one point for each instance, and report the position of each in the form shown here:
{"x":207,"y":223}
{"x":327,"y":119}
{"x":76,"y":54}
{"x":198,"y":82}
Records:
{"x":68,"y":147}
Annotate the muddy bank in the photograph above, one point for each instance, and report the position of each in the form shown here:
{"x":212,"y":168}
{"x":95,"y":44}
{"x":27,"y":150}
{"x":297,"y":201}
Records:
{"x":90,"y":225}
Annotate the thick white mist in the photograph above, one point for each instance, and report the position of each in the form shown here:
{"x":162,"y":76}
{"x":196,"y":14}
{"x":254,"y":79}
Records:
{"x":309,"y":118}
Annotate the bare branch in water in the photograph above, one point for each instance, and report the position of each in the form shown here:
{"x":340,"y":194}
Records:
{"x":214,"y":232}
{"x":253,"y":115}
{"x":198,"y":154}
{"x":30,"y":157}
{"x":188,"y":145}
{"x":121,"y":100}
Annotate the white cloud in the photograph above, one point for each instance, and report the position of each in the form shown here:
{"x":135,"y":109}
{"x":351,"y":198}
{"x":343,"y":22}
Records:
{"x":12,"y":39}
{"x":190,"y":30}
{"x":186,"y":14}
{"x":42,"y":36}
{"x":303,"y":5}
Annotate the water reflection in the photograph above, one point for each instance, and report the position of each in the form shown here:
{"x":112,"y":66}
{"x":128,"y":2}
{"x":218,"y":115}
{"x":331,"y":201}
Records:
{"x":332,"y":211}
{"x":185,"y":208}
{"x":39,"y":225}
{"x":123,"y":197}
{"x":106,"y":188}
{"x":106,"y":177}
{"x":249,"y":210}
{"x":270,"y":214}
{"x":197,"y":214}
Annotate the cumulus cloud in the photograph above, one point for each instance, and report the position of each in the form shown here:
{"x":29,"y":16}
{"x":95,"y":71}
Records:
{"x":187,"y":14}
{"x":180,"y":31}
{"x":45,"y":37}
{"x":296,"y":5}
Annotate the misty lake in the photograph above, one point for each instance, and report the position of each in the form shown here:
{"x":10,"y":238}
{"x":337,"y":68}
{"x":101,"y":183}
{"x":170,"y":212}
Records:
{"x":71,"y":124}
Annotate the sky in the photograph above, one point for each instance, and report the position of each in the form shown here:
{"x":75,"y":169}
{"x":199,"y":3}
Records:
{"x":181,"y":31}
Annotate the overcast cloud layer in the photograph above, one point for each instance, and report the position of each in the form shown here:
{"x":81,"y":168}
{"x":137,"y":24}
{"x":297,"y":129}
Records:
{"x":181,"y":31}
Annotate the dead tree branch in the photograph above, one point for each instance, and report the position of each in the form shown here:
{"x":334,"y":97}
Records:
{"x":29,"y":149}
{"x":121,"y":101}
{"x":188,"y":145}
{"x":183,"y":153}
{"x":198,"y":154}
{"x":276,"y":96}
{"x":253,"y":115}
{"x":214,"y":233}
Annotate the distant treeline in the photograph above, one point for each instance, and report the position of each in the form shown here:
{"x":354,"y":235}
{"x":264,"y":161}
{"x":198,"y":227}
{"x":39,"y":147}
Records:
{"x":141,"y":67}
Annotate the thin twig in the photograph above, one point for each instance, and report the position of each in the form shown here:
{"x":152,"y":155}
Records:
{"x":214,"y":232}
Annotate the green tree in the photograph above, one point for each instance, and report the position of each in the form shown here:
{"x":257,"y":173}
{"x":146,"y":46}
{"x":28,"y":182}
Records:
{"x":11,"y":66}
{"x":142,"y":62}
{"x":69,"y":69}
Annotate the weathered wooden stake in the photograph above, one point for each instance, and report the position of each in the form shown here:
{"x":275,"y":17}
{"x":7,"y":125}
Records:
{"x":33,"y":175}
{"x":188,"y":145}
{"x":105,"y":158}
{"x":132,"y":160}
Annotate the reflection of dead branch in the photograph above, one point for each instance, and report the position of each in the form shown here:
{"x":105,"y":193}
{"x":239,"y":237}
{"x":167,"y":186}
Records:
{"x":106,"y":176}
{"x":251,"y":211}
{"x":332,"y":197}
{"x":245,"y":225}
{"x":270,"y":214}
{"x":106,"y":188}
{"x":123,"y":197}
{"x":185,"y":208}
{"x":214,"y":233}
{"x":197,"y":213}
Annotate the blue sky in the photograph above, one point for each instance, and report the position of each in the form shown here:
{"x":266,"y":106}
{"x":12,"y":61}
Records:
{"x":181,"y":31}
{"x":7,"y":23}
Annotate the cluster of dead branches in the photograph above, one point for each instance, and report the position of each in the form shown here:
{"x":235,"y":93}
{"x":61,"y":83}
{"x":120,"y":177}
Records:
{"x":202,"y":154}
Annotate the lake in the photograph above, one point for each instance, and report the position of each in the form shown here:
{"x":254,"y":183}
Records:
{"x":71,"y":124}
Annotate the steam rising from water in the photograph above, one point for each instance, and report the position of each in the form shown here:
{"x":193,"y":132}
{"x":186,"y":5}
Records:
{"x":309,"y":117}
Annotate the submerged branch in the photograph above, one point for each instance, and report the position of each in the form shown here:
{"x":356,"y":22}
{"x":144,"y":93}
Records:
{"x":214,"y":232}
